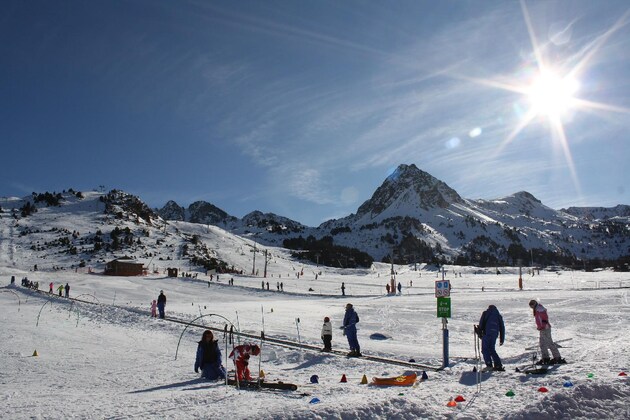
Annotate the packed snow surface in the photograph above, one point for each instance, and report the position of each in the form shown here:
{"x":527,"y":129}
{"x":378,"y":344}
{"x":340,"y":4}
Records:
{"x":110,"y":359}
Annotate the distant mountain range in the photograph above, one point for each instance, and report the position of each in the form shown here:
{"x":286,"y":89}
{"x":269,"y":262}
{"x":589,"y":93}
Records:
{"x":411,"y":217}
{"x":413,"y":210}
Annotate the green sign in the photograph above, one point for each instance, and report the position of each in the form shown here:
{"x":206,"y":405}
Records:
{"x":444,"y":307}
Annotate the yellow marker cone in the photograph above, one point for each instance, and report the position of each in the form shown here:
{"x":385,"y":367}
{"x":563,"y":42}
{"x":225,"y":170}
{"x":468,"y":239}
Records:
{"x":262,"y":374}
{"x":35,"y":353}
{"x":364,"y":380}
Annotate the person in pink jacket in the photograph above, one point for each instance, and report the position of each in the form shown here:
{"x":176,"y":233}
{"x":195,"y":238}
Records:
{"x":154,"y":309}
{"x":545,"y":341}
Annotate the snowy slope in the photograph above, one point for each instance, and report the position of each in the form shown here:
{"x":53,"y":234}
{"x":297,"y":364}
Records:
{"x":112,"y":360}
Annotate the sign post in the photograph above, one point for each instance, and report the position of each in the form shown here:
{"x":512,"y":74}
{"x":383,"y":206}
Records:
{"x":443,"y":295}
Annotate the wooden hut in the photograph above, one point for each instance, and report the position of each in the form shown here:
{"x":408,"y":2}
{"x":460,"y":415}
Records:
{"x":124,"y":267}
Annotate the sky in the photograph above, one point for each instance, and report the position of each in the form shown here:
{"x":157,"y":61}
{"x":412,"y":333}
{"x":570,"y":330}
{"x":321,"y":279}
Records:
{"x":304,"y":108}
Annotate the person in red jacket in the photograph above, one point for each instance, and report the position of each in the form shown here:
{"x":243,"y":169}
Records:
{"x":545,"y":341}
{"x":240,"y":355}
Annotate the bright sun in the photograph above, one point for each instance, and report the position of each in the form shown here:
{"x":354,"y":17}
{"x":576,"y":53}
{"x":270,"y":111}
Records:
{"x":552,"y":95}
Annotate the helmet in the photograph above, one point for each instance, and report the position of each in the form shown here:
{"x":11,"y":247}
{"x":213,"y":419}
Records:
{"x":532,"y":303}
{"x":326,"y":319}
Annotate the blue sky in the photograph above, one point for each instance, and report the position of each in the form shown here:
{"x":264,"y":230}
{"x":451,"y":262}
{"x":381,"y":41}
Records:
{"x":303,"y":108}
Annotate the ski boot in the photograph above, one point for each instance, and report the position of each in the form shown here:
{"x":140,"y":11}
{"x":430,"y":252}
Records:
{"x":544,"y":361}
{"x":499,"y":368}
{"x":558,"y":361}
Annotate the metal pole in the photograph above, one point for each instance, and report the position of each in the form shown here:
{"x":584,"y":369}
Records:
{"x":444,"y":342}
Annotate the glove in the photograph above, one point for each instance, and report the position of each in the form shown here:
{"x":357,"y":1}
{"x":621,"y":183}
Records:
{"x":196,"y":370}
{"x":501,"y":342}
{"x":342,"y":327}
{"x":344,"y":332}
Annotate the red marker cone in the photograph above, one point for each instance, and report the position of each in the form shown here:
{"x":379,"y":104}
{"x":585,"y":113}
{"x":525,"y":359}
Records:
{"x":623,"y":374}
{"x":543,"y":389}
{"x":451,"y":403}
{"x":343,"y":378}
{"x":459,"y":398}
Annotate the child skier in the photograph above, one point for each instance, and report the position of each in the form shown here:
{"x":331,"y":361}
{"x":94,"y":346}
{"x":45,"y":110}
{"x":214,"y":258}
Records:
{"x":327,"y":335}
{"x":545,"y":340}
{"x":240,"y":355}
{"x":154,"y":309}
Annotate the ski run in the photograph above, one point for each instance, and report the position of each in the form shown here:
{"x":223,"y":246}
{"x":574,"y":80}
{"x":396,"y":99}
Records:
{"x":104,"y":356}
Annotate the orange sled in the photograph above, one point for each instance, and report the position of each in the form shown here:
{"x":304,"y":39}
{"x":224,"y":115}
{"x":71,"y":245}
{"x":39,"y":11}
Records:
{"x":403,"y":380}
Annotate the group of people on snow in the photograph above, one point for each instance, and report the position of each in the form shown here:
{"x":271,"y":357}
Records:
{"x":491,"y":327}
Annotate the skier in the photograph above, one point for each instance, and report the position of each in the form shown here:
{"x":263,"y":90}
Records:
{"x":399,"y":288}
{"x":343,"y":289}
{"x":491,"y":327}
{"x":60,"y":289}
{"x":208,"y":358}
{"x":161,"y":303}
{"x":349,"y":328}
{"x":51,"y":287}
{"x":240,"y":355}
{"x":154,"y":309}
{"x":387,"y":288}
{"x":545,"y":341}
{"x":67,"y":290}
{"x":327,"y":335}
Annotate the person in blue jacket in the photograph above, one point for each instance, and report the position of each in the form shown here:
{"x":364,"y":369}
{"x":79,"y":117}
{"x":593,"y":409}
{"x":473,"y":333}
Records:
{"x":491,"y":327}
{"x":349,"y":328}
{"x":209,"y":358}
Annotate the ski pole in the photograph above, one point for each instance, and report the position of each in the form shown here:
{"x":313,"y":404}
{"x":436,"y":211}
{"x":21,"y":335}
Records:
{"x":297,"y":324}
{"x":262,"y":337}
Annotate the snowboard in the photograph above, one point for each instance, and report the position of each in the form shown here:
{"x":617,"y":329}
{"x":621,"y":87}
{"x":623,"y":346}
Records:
{"x":263,"y":385}
{"x":403,"y":380}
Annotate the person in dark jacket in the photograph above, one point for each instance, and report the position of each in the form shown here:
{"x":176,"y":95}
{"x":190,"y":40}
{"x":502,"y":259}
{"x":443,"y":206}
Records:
{"x":491,"y":327}
{"x":161,"y":303}
{"x":349,"y":328}
{"x":209,"y":358}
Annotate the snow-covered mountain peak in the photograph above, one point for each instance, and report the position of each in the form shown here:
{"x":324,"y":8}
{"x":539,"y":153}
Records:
{"x":408,"y":191}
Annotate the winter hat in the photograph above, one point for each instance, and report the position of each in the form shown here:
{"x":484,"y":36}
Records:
{"x":532,"y":303}
{"x":326,"y":319}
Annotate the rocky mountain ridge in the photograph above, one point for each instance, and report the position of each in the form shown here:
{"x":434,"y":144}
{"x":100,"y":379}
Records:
{"x":412,"y":212}
{"x":411,"y":217}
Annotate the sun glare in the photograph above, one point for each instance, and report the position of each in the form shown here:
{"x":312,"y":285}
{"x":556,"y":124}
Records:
{"x":552,"y":95}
